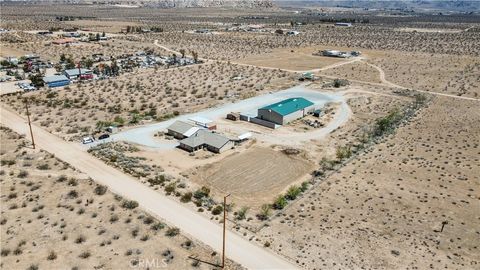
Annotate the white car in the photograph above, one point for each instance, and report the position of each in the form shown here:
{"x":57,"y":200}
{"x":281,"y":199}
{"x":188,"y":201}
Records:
{"x":87,"y":140}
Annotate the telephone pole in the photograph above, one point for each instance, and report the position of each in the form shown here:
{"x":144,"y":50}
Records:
{"x":224,"y":228}
{"x":29,"y":123}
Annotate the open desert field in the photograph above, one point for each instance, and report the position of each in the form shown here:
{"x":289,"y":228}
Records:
{"x":386,"y":209}
{"x":255,"y":176}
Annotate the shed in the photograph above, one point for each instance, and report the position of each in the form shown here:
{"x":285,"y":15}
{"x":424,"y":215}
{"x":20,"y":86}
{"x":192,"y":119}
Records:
{"x":203,"y":122}
{"x":76,"y":73}
{"x":56,"y":80}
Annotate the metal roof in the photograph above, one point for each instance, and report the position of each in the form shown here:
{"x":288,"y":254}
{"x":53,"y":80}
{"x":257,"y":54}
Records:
{"x":181,"y":127}
{"x":55,"y":78}
{"x":288,"y":106}
{"x":205,"y":137}
{"x":75,"y":72}
{"x":200,"y":120}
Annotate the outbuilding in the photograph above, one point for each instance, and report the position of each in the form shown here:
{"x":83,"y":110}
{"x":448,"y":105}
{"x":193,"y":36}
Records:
{"x":181,"y":130}
{"x":79,"y":73}
{"x":286,"y":110}
{"x":56,"y":80}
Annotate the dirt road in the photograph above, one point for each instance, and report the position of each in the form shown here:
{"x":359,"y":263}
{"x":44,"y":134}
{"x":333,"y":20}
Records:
{"x":188,"y":221}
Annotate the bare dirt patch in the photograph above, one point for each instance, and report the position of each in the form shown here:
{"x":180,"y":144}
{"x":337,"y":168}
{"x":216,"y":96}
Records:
{"x":255,"y":176}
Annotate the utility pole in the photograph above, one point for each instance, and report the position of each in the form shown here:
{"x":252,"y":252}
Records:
{"x":29,"y":123}
{"x":224,"y":228}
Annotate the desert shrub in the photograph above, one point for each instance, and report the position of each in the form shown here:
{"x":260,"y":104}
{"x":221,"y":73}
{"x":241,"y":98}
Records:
{"x":4,"y":252}
{"x":385,"y":124}
{"x":158,"y":226}
{"x":80,"y":239}
{"x":201,"y":193}
{"x":170,"y":188}
{"x":22,"y":174}
{"x":7,"y":162}
{"x":17,"y":251}
{"x":145,"y":237}
{"x":84,"y":255}
{"x":100,"y":189}
{"x":129,"y":204}
{"x":343,"y":152}
{"x":217,"y":210}
{"x":187,"y":197}
{"x":72,"y":194}
{"x":113,"y":218}
{"x":52,"y":256}
{"x":43,"y":167}
{"x":280,"y":202}
{"x":265,"y":212}
{"x":33,"y":267}
{"x":172,"y":231}
{"x":242,"y":214}
{"x":339,"y":83}
{"x":304,"y":186}
{"x":158,"y":180}
{"x":61,"y":178}
{"x":148,"y":220}
{"x":292,"y":192}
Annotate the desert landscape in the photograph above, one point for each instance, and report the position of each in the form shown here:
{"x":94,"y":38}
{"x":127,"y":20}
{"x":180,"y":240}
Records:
{"x":262,"y":134}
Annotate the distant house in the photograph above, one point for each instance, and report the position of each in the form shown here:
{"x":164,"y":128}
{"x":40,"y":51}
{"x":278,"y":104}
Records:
{"x":343,"y":24}
{"x":182,"y":130}
{"x":78,"y":73}
{"x":206,"y":139}
{"x":286,"y":110}
{"x":56,"y":80}
{"x":71,"y":34}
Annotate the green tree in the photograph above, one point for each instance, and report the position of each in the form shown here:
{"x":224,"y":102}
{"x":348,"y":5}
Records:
{"x":280,"y":202}
{"x":292,"y":192}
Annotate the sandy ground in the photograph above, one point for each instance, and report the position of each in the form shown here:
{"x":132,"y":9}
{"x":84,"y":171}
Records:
{"x":384,"y":210}
{"x":52,"y":216}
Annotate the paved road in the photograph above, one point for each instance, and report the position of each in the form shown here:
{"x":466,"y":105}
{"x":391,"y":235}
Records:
{"x":190,"y":223}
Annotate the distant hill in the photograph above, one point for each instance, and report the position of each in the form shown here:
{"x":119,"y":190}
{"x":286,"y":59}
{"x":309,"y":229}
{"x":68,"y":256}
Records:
{"x":162,"y":3}
{"x":420,"y":5}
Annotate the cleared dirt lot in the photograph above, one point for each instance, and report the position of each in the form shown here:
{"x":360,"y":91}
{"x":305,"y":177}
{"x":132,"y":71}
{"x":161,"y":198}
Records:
{"x":298,"y":59}
{"x":255,"y":176}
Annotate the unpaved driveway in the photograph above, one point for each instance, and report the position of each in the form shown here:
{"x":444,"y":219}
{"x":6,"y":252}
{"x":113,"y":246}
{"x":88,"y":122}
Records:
{"x":191,"y":223}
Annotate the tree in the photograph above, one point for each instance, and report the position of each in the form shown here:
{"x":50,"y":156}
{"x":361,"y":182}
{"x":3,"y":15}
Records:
{"x":174,"y":56}
{"x":195,"y":56}
{"x":63,"y":57}
{"x":293,"y":192}
{"x":36,"y":79}
{"x":280,"y":202}
{"x":103,"y":34}
{"x":97,"y":37}
{"x":182,"y":51}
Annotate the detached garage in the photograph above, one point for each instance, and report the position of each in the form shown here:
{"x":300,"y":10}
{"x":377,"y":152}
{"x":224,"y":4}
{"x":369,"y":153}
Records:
{"x":286,"y":110}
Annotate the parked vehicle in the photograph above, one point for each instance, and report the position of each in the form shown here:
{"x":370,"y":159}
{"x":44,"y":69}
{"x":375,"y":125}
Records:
{"x":103,"y":136}
{"x":87,"y":140}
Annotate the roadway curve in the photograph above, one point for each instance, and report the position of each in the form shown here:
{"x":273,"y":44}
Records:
{"x":188,"y":221}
